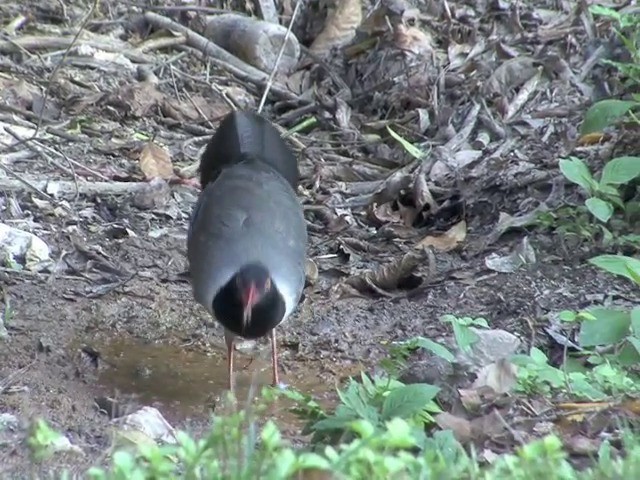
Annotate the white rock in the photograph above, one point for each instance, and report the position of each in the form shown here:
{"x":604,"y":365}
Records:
{"x":23,"y":248}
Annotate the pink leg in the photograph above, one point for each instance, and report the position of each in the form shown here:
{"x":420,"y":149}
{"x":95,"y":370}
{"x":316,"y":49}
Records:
{"x":229,"y":342}
{"x":274,"y":358}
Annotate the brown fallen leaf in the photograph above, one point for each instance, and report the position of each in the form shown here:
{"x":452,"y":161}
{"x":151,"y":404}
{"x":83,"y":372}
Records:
{"x":592,"y":138}
{"x":500,"y":376}
{"x":339,"y":28}
{"x":384,"y":213}
{"x":581,"y":445}
{"x":470,"y":398}
{"x":155,"y":162}
{"x":460,"y":427}
{"x":137,"y":100}
{"x":413,"y":40}
{"x":310,"y":271}
{"x":491,"y":426}
{"x":391,"y":275}
{"x":509,"y":75}
{"x":450,"y":240}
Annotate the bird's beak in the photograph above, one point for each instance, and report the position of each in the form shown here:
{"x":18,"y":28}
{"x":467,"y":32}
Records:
{"x":250,"y":299}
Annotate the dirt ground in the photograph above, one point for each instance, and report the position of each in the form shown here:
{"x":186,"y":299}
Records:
{"x":115,"y":316}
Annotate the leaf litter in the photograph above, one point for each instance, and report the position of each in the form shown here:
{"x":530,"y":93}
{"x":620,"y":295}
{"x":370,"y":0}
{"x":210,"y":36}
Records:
{"x":429,"y":140}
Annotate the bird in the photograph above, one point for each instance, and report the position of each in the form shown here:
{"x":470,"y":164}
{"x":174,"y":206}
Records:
{"x":247,"y":236}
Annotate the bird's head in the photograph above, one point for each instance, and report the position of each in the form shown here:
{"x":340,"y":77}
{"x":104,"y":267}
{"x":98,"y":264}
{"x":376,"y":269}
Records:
{"x":250,"y":303}
{"x":252,"y":284}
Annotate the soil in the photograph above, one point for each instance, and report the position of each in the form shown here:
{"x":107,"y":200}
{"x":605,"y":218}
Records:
{"x":116,"y":318}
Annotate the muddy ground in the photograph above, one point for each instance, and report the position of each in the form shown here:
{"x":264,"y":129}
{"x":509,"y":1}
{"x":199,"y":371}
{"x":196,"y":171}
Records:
{"x":115,"y":317}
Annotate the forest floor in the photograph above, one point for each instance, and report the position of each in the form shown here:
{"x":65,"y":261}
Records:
{"x":113,"y":316}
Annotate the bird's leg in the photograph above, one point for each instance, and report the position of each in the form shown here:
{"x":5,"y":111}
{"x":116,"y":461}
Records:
{"x":229,"y":338}
{"x":274,"y":358}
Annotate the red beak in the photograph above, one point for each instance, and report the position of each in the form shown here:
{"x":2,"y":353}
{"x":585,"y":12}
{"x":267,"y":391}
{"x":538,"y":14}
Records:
{"x":249,"y":299}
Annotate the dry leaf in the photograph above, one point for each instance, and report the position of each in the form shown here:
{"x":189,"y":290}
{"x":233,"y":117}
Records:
{"x":470,"y":398}
{"x":390,"y":276}
{"x":510,"y":74}
{"x":592,"y":138}
{"x":340,"y":27}
{"x":500,"y":376}
{"x":581,"y":445}
{"x":384,"y":213}
{"x":490,"y":426}
{"x":460,"y":427}
{"x":155,"y":162}
{"x":447,"y":242}
{"x":311,"y":271}
{"x":413,"y":40}
{"x":138,"y":100}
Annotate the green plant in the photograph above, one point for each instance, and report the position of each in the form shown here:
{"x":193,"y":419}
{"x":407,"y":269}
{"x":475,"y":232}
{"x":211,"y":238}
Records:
{"x":604,"y":113}
{"x":43,"y":440}
{"x":464,"y":336}
{"x":603,"y":194}
{"x":376,"y":399}
{"x":627,"y":29}
{"x":399,"y":352}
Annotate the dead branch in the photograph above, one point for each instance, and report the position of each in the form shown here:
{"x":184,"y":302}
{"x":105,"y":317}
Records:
{"x":69,"y":189}
{"x":38,"y":42}
{"x":220,"y":57}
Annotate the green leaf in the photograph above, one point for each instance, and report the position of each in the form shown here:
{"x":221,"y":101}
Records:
{"x":538,"y":356}
{"x":408,"y":400}
{"x":583,"y":387}
{"x":635,"y":341}
{"x":567,"y":316}
{"x":629,"y":355}
{"x":352,"y":400}
{"x":635,"y":320}
{"x":577,"y":172}
{"x":399,"y":434}
{"x":603,"y":11}
{"x":609,"y":327}
{"x":310,"y":460}
{"x":465,"y":337}
{"x":333,"y":423}
{"x":435,"y":348}
{"x":617,"y":264}
{"x":363,"y":428}
{"x":599,"y":208}
{"x":633,"y":273}
{"x":271,"y":437}
{"x":604,"y":113}
{"x":620,"y":170}
{"x":411,"y":149}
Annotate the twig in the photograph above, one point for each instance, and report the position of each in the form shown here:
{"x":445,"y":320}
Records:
{"x":19,"y":184}
{"x":36,"y":146}
{"x":180,"y":8}
{"x":278,"y":58}
{"x":67,"y":189}
{"x":8,"y":380}
{"x":34,"y":42}
{"x":162,"y":42}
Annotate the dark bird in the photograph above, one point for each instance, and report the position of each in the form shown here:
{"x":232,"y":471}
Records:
{"x":247,"y":237}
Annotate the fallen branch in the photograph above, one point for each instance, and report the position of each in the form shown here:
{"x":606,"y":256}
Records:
{"x":220,"y":57}
{"x":38,"y":42}
{"x":69,"y":189}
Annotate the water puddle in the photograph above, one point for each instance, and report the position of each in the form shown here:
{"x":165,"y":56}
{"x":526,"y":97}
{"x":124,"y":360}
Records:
{"x":183,"y":382}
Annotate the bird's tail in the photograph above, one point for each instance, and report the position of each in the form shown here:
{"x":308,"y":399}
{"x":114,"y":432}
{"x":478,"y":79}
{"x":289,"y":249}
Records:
{"x":247,"y":135}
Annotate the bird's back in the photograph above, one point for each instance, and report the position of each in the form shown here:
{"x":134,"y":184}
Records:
{"x":244,"y":134}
